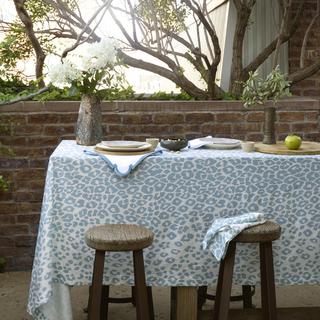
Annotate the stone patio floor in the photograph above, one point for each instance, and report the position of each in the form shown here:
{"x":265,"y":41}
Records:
{"x":294,"y":302}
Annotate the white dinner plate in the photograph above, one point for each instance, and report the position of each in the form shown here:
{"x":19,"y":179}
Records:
{"x":221,"y":143}
{"x":123,"y":146}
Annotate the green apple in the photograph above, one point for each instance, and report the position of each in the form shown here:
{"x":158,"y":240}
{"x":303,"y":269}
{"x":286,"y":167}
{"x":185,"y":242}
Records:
{"x":293,"y":142}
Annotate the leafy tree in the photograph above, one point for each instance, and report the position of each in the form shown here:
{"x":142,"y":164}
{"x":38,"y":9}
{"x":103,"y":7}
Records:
{"x":160,"y":29}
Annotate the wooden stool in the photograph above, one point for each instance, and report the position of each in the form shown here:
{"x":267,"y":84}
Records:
{"x":263,"y":234}
{"x":118,"y":237}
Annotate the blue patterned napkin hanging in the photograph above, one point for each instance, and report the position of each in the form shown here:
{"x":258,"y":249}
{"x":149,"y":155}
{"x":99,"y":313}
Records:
{"x":223,"y":230}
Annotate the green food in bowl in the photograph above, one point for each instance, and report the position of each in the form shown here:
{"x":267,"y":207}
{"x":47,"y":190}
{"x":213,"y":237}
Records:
{"x":174,"y":144}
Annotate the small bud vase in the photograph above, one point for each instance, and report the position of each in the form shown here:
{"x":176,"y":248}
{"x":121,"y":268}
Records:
{"x":269,"y":136}
{"x":89,"y":126}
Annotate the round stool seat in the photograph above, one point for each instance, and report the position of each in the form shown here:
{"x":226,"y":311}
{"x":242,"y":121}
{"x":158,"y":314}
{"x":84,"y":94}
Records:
{"x":118,"y":237}
{"x":268,"y":231}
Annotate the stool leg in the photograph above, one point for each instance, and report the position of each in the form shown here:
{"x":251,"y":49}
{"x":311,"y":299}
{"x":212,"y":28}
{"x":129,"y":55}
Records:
{"x":268,"y":291}
{"x":133,"y":295}
{"x":96,"y":288}
{"x":104,"y":303}
{"x":247,"y":297}
{"x":173,"y":303}
{"x":142,"y":306}
{"x":202,"y":296}
{"x":150,"y":302}
{"x":223,"y":293}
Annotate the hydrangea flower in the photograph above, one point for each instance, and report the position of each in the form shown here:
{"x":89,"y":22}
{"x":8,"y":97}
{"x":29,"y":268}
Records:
{"x":86,"y":64}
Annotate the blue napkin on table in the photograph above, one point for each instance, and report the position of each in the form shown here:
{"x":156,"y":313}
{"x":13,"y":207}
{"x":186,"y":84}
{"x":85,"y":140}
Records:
{"x":122,"y":165}
{"x":223,"y":230}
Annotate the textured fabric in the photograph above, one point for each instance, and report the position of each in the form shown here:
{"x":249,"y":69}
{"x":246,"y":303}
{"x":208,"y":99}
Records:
{"x":223,"y":230}
{"x":177,"y":196}
{"x":122,"y":165}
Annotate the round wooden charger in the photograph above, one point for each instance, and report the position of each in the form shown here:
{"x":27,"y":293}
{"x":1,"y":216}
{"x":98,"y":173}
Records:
{"x":123,"y":153}
{"x":306,"y":148}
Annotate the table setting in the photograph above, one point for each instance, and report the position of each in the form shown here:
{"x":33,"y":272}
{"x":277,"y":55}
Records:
{"x":176,"y":194}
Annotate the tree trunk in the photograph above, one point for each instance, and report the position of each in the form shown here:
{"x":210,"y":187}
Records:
{"x":89,"y":127}
{"x":243,"y":15}
{"x":27,"y":22}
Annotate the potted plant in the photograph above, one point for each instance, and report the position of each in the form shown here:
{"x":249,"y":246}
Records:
{"x":87,"y":70}
{"x":257,"y":91}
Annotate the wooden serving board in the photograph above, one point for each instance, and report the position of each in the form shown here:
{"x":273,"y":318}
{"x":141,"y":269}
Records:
{"x":124,"y":153}
{"x":306,"y":148}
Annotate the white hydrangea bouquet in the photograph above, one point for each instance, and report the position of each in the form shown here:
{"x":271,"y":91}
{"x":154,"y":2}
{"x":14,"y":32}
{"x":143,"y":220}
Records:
{"x":88,"y":69}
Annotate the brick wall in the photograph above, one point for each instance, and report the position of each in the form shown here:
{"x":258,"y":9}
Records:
{"x":310,"y":86}
{"x":35,"y":129}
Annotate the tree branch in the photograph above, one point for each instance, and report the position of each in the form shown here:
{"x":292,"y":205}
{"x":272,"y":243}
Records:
{"x":185,"y":84}
{"x":25,"y":98}
{"x":80,"y":35}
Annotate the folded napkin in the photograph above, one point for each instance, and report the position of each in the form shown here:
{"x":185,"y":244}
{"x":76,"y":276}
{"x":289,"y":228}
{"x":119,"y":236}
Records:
{"x":198,"y":143}
{"x":122,"y":165}
{"x":223,"y":230}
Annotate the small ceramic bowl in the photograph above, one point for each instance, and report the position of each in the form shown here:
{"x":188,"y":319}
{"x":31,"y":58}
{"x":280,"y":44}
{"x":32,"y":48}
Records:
{"x":247,"y":146}
{"x":174,"y":144}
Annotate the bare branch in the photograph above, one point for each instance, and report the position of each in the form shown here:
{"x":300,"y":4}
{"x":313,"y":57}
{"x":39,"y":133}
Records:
{"x":305,"y":72}
{"x":105,"y":6}
{"x":25,"y":98}
{"x":306,"y":36}
{"x":188,"y":86}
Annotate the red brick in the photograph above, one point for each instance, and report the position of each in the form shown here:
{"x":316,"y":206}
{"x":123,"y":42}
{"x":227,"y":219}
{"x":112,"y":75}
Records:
{"x":43,"y":141}
{"x":7,"y":219}
{"x":9,"y":163}
{"x":290,"y":116}
{"x":216,"y":128}
{"x":13,"y":230}
{"x":58,"y":130}
{"x":312,"y":116}
{"x":28,"y":218}
{"x":8,"y":208}
{"x":68,"y":118}
{"x":25,"y":241}
{"x":44,"y":118}
{"x":27,"y":130}
{"x":254,"y":137}
{"x":111,"y":118}
{"x":246,"y":128}
{"x":255,"y":116}
{"x":29,"y":174}
{"x":230,"y":117}
{"x":137,"y":118}
{"x":282,"y":128}
{"x":13,"y":119}
{"x":169,"y":118}
{"x":7,"y":242}
{"x":305,"y":127}
{"x":202,"y":117}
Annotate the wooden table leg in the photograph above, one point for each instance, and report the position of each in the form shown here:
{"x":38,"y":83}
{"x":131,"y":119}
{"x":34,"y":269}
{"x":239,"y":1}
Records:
{"x":187,"y":300}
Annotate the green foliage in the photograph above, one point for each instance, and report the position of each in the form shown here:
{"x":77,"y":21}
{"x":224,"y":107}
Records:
{"x":164,"y":96}
{"x":109,"y":94}
{"x":4,"y":185}
{"x":16,"y":45}
{"x":257,"y":91}
{"x":3,"y":263}
{"x":228,"y":96}
{"x":171,"y":13}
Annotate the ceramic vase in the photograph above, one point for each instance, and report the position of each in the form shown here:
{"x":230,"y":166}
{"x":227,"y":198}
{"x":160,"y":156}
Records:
{"x":269,"y":136}
{"x":89,"y":124}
